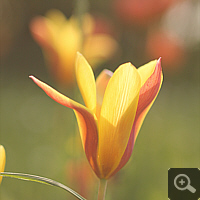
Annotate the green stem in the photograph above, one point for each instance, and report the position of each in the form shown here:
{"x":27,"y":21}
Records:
{"x":102,"y":189}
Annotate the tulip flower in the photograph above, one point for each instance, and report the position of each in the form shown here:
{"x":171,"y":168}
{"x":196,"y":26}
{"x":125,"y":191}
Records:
{"x":115,"y":107}
{"x":61,"y":38}
{"x":2,"y":160}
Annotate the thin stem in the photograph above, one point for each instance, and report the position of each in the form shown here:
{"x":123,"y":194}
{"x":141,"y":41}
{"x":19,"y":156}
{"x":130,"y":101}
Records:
{"x":102,"y":189}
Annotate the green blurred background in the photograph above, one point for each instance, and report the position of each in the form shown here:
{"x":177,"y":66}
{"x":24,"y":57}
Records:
{"x":38,"y":133}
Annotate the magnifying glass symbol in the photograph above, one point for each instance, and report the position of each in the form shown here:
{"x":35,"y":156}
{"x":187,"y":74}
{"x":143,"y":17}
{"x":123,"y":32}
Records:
{"x":184,"y":182}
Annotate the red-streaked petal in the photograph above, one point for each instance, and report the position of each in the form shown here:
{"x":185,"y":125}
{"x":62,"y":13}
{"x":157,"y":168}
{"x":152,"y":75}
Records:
{"x":147,"y":96}
{"x":86,"y":121}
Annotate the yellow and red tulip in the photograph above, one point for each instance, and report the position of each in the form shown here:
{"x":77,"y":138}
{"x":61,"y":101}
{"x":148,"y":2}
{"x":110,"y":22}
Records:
{"x":115,"y":107}
{"x":61,"y":38}
{"x":2,"y":160}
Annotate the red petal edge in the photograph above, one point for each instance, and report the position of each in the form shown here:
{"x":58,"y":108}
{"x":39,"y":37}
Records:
{"x":147,"y":95}
{"x":86,"y":121}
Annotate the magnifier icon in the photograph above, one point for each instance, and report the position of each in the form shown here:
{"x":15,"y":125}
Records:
{"x":184,"y":183}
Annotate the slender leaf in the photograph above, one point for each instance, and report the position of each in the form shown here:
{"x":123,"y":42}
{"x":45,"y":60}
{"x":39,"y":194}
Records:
{"x":43,"y":180}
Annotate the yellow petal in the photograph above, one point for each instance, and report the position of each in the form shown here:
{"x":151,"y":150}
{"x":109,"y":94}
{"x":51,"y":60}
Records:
{"x":86,"y":82}
{"x":68,"y":42}
{"x":146,"y":70}
{"x":117,"y":115}
{"x":69,"y":37}
{"x":56,"y":17}
{"x":2,"y":160}
{"x":101,"y":84}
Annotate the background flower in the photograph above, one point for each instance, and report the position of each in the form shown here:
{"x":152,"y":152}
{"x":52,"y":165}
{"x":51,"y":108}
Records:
{"x":166,"y":44}
{"x":61,"y":38}
{"x":141,"y":12}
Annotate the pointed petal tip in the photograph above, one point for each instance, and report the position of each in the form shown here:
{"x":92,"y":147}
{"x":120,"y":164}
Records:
{"x":2,"y":148}
{"x":33,"y":78}
{"x":108,"y":72}
{"x":78,"y":55}
{"x":158,"y":64}
{"x":130,"y":64}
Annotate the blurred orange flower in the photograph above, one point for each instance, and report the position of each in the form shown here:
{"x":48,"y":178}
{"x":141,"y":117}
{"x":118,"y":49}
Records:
{"x":61,"y":38}
{"x":169,"y":47}
{"x":116,"y":105}
{"x":141,"y":12}
{"x":2,"y":160}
